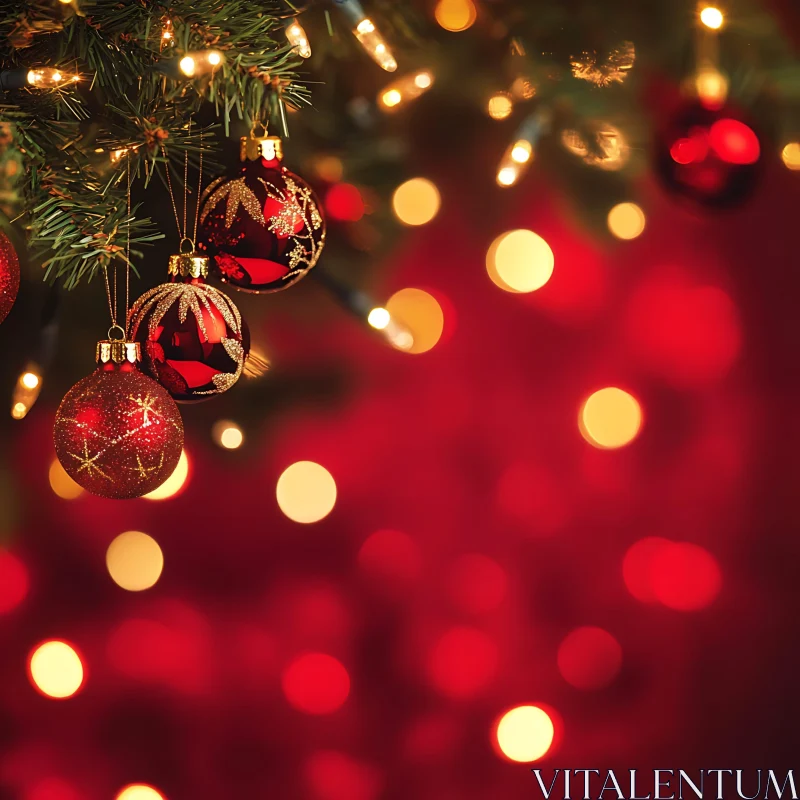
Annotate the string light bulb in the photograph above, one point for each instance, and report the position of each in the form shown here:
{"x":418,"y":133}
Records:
{"x":712,"y":17}
{"x":405,"y":89}
{"x":50,"y":78}
{"x":711,"y":86}
{"x":167,"y":35}
{"x":500,"y":106}
{"x":520,"y":153}
{"x":379,"y":318}
{"x":368,"y":35}
{"x":372,"y":41}
{"x":514,"y":163}
{"x":198,"y":63}
{"x":296,"y":36}
{"x":26,"y":391}
{"x":396,"y":334}
{"x":188,"y":66}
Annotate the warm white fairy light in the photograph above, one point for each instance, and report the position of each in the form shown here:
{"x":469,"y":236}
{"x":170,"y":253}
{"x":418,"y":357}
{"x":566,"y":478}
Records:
{"x":711,"y":86}
{"x":29,"y":380}
{"x":297,"y":37}
{"x":368,"y":35}
{"x":26,"y":391}
{"x":373,"y":42}
{"x":188,"y":66}
{"x":514,"y":162}
{"x":50,"y":78}
{"x":712,"y":17}
{"x":395,"y":333}
{"x":405,"y":89}
{"x":200,"y":62}
{"x":500,"y":106}
{"x":379,"y":318}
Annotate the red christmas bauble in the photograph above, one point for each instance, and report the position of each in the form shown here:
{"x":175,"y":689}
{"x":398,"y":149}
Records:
{"x":9,"y":275}
{"x":264,"y":226}
{"x":117,"y":433}
{"x":194,"y":341}
{"x":709,"y":156}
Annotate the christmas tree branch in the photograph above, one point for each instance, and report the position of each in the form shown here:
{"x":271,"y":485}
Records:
{"x":123,"y":92}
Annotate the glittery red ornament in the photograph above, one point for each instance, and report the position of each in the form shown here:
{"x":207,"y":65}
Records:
{"x":117,"y":433}
{"x":264,"y":226}
{"x":9,"y":275}
{"x":194,"y":341}
{"x":709,"y":156}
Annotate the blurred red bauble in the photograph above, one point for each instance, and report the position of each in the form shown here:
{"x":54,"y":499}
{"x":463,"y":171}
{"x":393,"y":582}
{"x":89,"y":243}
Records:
{"x":708,"y":156}
{"x":264,"y":227}
{"x":117,"y":433}
{"x":9,"y":275}
{"x":194,"y":341}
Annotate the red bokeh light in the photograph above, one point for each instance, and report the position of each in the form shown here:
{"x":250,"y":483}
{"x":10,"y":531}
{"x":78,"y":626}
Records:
{"x":344,"y":203}
{"x":734,"y":142}
{"x":13,"y":581}
{"x":688,"y":334}
{"x":172,"y":648}
{"x":52,"y":789}
{"x":692,"y":149}
{"x":315,"y":614}
{"x":685,"y":576}
{"x":144,"y":649}
{"x":462,"y":663}
{"x":336,"y":776}
{"x":477,"y":584}
{"x":589,"y":658}
{"x":316,"y":683}
{"x":431,"y":738}
{"x":390,"y":556}
{"x":638,"y":565}
{"x":531,"y":495}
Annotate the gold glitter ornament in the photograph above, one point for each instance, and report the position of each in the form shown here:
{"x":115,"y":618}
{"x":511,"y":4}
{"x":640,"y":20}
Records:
{"x":117,"y":433}
{"x":614,"y":68}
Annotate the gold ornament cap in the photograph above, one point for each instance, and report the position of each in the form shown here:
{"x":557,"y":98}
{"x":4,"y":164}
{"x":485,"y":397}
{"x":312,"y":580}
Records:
{"x":117,"y":350}
{"x":190,"y":264}
{"x":254,"y":147}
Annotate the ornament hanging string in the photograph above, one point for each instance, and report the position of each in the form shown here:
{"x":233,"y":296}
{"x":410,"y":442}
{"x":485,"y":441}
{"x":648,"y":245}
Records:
{"x":116,"y":331}
{"x":183,"y":229}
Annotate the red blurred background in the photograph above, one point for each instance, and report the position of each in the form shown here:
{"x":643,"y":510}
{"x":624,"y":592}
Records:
{"x":481,"y":555}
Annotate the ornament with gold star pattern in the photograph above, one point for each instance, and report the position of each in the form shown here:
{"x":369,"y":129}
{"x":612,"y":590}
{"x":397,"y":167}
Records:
{"x":118,"y":433}
{"x":263,"y":226}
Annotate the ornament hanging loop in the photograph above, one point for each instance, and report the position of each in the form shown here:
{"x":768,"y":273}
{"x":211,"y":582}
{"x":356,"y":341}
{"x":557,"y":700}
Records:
{"x":258,"y":124}
{"x":116,"y":329}
{"x":186,"y":242}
